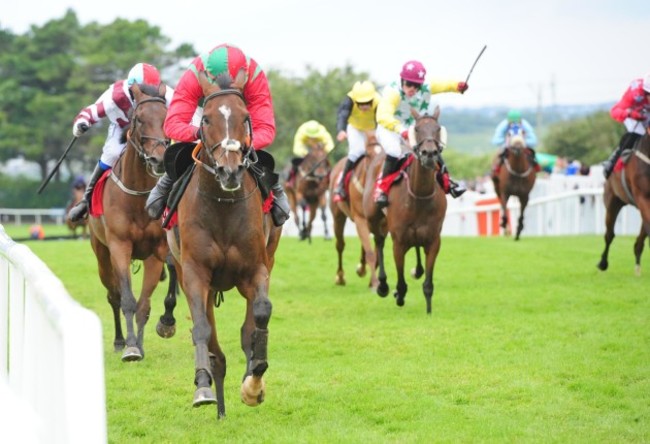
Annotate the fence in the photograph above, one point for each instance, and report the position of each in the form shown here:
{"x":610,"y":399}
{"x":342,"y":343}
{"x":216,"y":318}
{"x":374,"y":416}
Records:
{"x":51,"y":356}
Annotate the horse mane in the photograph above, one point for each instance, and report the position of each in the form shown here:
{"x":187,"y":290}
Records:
{"x":223,"y":80}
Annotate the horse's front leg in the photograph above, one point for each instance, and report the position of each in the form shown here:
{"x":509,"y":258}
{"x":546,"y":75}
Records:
{"x":121,"y":264}
{"x":166,"y":327}
{"x":401,"y":288}
{"x":427,"y":285}
{"x":504,"y":215}
{"x":523,"y":200}
{"x":339,"y":235}
{"x":254,"y":338}
{"x":382,"y":288}
{"x":323,"y":216}
{"x":153,"y":268}
{"x":613,"y":208}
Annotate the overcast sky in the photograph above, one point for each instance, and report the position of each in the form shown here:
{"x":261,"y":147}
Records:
{"x":555,"y":52}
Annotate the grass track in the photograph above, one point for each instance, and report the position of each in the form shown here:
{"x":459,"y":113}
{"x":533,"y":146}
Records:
{"x":528,"y":342}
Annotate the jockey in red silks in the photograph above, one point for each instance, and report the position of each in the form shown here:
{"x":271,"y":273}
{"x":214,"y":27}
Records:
{"x":183,"y":117}
{"x":633,"y":111}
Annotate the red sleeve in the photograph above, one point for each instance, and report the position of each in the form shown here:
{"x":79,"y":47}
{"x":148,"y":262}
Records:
{"x":186,"y":98}
{"x":619,"y":111}
{"x":260,"y":107}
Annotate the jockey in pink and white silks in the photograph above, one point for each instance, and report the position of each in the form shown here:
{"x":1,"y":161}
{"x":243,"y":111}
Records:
{"x":394,"y":117}
{"x":633,"y":111}
{"x":115,"y":104}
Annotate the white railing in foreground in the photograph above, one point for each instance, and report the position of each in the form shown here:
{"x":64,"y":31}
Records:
{"x":51,"y":356}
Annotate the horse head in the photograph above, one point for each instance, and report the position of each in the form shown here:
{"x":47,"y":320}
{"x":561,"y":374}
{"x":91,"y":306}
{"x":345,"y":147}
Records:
{"x":146,"y":133}
{"x":427,"y":139}
{"x":226,"y":130}
{"x":315,"y":167}
{"x":515,"y":139}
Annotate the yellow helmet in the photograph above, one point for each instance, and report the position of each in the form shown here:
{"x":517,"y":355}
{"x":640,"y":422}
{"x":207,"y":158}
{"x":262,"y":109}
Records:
{"x":312,"y":128}
{"x":363,"y":92}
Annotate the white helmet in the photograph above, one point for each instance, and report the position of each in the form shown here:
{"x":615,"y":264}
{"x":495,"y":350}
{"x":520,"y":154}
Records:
{"x":646,"y":83}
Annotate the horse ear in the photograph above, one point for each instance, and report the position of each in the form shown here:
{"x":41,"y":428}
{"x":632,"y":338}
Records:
{"x":412,"y":140}
{"x":205,"y":83}
{"x":240,"y":80}
{"x":436,"y":112}
{"x":162,"y":89}
{"x":136,"y":92}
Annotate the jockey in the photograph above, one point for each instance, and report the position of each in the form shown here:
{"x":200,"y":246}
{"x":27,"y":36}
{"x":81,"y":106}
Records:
{"x":514,"y":123}
{"x":395,"y":115}
{"x":356,"y":117}
{"x":309,"y":135}
{"x":116,"y":103}
{"x":633,"y":111}
{"x":183,"y":116}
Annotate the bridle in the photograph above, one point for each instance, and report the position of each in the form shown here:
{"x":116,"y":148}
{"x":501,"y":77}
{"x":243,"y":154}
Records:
{"x":249,"y":157}
{"x":134,"y":138}
{"x":428,"y":140}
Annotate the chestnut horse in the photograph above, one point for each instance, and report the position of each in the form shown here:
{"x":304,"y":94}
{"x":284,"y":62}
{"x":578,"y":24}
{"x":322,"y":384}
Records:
{"x":630,"y":185}
{"x":126,"y":232}
{"x":76,"y":194}
{"x":224,"y":240}
{"x":516,"y":177}
{"x":352,"y":208}
{"x":308,"y":191}
{"x":416,"y":210}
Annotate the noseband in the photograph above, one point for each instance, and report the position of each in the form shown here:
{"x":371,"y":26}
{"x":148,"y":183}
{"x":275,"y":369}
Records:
{"x":134,"y":139}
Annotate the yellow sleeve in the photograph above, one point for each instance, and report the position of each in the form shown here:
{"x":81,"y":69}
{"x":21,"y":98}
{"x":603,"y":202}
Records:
{"x":441,"y":86}
{"x":386,"y":109}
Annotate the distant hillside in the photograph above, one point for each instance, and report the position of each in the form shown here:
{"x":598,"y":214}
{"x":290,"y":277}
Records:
{"x":471,"y":130}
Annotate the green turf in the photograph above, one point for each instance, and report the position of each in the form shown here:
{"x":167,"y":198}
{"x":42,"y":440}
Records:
{"x":527,"y":342}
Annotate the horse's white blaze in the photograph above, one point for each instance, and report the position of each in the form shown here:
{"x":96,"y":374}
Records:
{"x":228,"y":143}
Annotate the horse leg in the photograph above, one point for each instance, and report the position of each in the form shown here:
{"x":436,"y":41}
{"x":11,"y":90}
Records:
{"x":166,"y":327}
{"x":313,"y":209}
{"x":505,"y":225}
{"x":203,"y":332}
{"x":107,"y":278}
{"x":401,"y":288}
{"x":254,"y":339}
{"x":323,"y":216}
{"x":382,"y":288}
{"x":339,"y":228}
{"x":217,"y":362}
{"x":152,"y":270}
{"x":418,"y":271}
{"x":612,"y":210}
{"x":427,"y":285}
{"x":523,"y":201}
{"x":638,"y":250}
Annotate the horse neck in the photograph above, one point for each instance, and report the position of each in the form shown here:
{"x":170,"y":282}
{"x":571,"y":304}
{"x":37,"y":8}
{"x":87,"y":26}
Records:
{"x":133,"y":170}
{"x":422,"y":181}
{"x":518,"y":162}
{"x":210,"y":189}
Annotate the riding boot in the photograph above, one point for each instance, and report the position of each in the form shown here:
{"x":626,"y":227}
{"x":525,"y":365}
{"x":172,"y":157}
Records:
{"x":80,"y":210}
{"x":158,"y":197}
{"x":280,"y":209}
{"x":339,"y":192}
{"x":627,"y":141}
{"x":448,"y":184}
{"x":533,"y":160}
{"x":390,"y":166}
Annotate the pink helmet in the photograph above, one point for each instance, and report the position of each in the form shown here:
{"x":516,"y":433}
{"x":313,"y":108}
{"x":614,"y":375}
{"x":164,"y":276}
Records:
{"x":413,"y":71}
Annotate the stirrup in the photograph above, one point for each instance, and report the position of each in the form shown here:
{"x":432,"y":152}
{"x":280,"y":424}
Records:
{"x":457,"y":191}
{"x":382,"y":200}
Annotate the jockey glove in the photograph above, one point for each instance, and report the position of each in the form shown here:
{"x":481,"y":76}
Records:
{"x":636,"y":115}
{"x":405,"y":134}
{"x":80,"y":127}
{"x":462,"y":87}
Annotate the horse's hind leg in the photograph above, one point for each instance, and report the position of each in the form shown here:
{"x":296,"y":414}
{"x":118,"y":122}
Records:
{"x":638,"y":250}
{"x":418,"y":271}
{"x":166,"y":327}
{"x":613,"y":208}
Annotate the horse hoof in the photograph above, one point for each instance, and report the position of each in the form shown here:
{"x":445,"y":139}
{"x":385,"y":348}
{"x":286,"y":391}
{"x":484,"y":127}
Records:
{"x":132,"y":354}
{"x":361,"y":271}
{"x":253,"y":391}
{"x":382,"y":290}
{"x":165,"y":331}
{"x":339,"y":281}
{"x":203,"y":396}
{"x":602,"y":266}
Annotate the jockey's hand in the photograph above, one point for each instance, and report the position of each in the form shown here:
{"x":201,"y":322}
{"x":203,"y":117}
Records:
{"x":80,"y":127}
{"x":636,"y":115}
{"x":341,"y":136}
{"x":462,"y":87}
{"x":405,"y":134}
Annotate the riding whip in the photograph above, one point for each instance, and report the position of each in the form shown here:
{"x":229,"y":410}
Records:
{"x":478,"y":57}
{"x":56,"y":167}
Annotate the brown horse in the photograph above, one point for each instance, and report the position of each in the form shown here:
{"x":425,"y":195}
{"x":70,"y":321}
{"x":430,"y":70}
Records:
{"x":416,"y":210}
{"x":630,"y":185}
{"x":224,"y":240}
{"x":352,"y":208}
{"x":125,"y":231}
{"x":308,"y":191}
{"x":76,"y":194}
{"x":516,"y":177}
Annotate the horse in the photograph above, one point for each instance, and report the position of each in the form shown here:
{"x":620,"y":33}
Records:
{"x":308,"y":191}
{"x":416,"y":210}
{"x":223,"y":239}
{"x":629,"y":185}
{"x":515,"y":178}
{"x":76,"y":194}
{"x":125,"y":232}
{"x":352,"y":208}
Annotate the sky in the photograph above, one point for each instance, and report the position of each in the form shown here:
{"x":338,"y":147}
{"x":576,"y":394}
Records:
{"x":539,"y":53}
